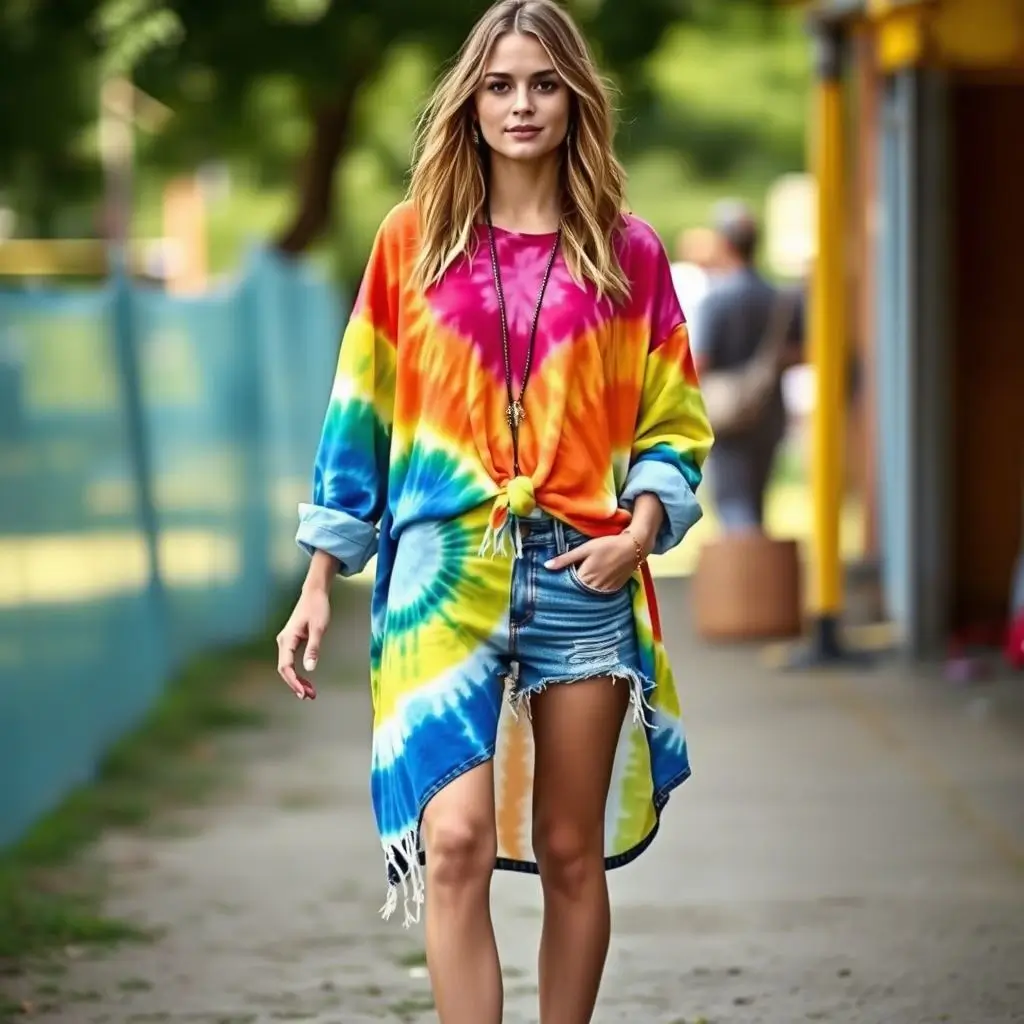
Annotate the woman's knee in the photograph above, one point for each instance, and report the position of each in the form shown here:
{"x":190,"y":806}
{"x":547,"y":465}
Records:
{"x":461,"y":849}
{"x":569,"y":854}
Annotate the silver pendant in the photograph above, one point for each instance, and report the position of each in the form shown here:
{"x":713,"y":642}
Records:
{"x":515,"y":413}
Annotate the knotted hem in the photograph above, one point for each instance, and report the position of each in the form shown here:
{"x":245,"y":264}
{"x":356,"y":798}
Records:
{"x":515,"y":501}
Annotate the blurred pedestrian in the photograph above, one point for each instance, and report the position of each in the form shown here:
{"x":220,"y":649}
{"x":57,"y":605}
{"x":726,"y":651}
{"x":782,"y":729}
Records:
{"x":746,"y":326}
{"x":515,"y":426}
{"x":695,"y":263}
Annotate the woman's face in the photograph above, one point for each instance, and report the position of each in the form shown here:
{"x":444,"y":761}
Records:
{"x":522,"y":105}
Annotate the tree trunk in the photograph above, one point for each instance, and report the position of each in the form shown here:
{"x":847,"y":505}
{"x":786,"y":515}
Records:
{"x":313,"y":214}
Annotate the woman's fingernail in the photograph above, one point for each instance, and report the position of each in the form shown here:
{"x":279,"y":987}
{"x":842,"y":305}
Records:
{"x":549,"y":563}
{"x":300,"y":695}
{"x":309,"y":664}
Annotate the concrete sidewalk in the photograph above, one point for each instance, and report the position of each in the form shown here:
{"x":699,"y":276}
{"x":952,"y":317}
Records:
{"x":850,"y":849}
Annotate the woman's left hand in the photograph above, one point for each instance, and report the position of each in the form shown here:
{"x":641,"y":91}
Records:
{"x":603,"y":563}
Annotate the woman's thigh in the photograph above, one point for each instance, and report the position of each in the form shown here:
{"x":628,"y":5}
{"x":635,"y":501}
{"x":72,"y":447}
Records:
{"x":578,"y":664}
{"x":576,"y":728}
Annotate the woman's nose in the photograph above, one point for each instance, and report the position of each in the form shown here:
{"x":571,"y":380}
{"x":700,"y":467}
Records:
{"x":524,"y":103}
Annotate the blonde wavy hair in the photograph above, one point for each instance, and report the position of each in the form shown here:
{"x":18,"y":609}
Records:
{"x":449,"y":179}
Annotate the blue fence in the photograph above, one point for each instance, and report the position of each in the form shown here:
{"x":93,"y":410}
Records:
{"x":152,"y":452}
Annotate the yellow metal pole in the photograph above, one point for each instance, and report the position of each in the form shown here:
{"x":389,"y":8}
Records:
{"x":828,"y":349}
{"x":828,"y":354}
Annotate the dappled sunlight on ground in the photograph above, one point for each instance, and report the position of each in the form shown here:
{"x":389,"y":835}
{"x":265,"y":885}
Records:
{"x":68,"y":568}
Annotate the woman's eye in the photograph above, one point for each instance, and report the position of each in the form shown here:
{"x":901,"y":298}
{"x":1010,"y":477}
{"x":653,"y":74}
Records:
{"x":544,"y":86}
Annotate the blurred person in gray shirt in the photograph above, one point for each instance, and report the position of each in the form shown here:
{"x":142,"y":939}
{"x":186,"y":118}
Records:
{"x":734,"y":317}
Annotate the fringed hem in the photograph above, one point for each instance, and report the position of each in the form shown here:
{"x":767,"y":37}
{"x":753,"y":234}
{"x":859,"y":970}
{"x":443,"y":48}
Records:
{"x":496,"y":539}
{"x":405,"y":870}
{"x":410,"y":875}
{"x":638,"y":686}
{"x":638,"y":698}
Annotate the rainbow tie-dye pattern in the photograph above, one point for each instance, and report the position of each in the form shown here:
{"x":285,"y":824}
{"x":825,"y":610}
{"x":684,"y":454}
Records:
{"x":415,"y":434}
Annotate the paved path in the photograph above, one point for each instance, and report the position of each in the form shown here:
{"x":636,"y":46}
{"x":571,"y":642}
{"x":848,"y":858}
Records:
{"x":849,"y":850}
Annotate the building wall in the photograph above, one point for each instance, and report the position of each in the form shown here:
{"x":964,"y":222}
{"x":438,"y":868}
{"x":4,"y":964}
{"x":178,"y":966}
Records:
{"x":988,"y":333}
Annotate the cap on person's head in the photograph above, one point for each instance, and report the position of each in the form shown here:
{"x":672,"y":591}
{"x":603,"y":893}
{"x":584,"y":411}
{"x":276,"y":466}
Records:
{"x":734,"y":220}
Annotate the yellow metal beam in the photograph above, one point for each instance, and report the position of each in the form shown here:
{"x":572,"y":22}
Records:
{"x":828,"y":349}
{"x":882,"y":8}
{"x":968,"y":34}
{"x":901,"y":39}
{"x":978,"y":34}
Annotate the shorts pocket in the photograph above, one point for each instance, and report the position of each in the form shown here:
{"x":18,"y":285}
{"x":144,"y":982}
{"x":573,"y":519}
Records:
{"x":585,"y":588}
{"x":573,"y":540}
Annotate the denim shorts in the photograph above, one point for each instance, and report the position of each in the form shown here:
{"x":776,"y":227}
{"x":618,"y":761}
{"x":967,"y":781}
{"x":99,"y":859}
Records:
{"x":560,"y":629}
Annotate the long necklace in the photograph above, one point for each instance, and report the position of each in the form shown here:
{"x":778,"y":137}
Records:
{"x":515,"y":412}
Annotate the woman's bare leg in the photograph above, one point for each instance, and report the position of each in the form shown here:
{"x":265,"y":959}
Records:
{"x":576,"y":727}
{"x":462,"y":955}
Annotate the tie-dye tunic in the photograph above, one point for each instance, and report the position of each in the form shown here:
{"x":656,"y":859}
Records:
{"x":415,"y":433}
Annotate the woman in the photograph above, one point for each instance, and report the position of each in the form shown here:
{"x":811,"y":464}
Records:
{"x":514,"y":426}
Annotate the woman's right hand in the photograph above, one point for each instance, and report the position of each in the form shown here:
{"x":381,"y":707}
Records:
{"x":307,"y":622}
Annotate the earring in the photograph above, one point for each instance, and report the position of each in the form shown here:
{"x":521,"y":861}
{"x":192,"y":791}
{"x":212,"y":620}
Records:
{"x":476,"y":134}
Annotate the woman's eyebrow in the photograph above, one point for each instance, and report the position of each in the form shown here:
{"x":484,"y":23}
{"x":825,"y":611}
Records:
{"x":508,"y":77}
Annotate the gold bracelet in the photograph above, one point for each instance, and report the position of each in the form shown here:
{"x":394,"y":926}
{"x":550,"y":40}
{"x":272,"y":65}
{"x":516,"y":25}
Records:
{"x":641,"y":556}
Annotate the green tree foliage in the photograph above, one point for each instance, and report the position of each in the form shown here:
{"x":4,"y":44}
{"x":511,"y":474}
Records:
{"x":47,"y":105}
{"x":269,"y":79}
{"x":329,"y":50}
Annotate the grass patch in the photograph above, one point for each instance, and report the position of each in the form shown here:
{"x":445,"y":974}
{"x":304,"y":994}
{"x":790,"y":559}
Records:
{"x":409,"y":1009}
{"x":171,"y":760}
{"x":9,"y":1009}
{"x":417,"y":958}
{"x":135,"y":985}
{"x":34,"y":920}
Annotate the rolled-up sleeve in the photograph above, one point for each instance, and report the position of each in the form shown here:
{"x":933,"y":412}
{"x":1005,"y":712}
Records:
{"x":350,"y":540}
{"x":350,"y":471}
{"x":672,"y":436}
